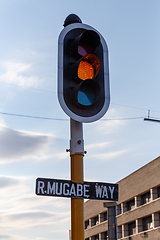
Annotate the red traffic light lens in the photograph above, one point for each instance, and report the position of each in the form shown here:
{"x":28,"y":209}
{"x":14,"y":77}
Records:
{"x":89,"y":67}
{"x":88,"y":42}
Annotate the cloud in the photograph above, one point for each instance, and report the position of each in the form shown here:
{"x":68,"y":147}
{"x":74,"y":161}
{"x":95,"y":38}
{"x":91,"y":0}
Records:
{"x":16,"y":73}
{"x":2,"y":123}
{"x":5,"y":237}
{"x":39,"y":238}
{"x":107,"y":156}
{"x":17,"y":195}
{"x":31,"y":216}
{"x":10,"y":188}
{"x":101,"y":145}
{"x":30,"y":201}
{"x":32,"y":219}
{"x":21,"y":210}
{"x":17,"y":145}
{"x":102,"y":151}
{"x":7,"y":182}
{"x":18,"y":208}
{"x":107,"y":124}
{"x":13,"y":237}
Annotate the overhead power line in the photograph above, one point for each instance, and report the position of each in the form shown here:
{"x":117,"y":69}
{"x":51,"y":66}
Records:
{"x":119,"y":119}
{"x":63,"y":119}
{"x":28,"y":116}
{"x":32,"y":88}
{"x":54,"y":92}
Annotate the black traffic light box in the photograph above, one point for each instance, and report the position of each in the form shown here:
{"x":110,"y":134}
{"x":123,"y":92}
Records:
{"x":83,"y":72}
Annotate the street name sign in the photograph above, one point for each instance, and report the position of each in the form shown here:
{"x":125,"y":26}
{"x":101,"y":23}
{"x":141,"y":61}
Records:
{"x":70,"y":189}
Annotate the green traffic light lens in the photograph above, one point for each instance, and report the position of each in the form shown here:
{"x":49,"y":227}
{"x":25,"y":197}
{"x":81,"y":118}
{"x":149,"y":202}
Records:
{"x":86,"y":95}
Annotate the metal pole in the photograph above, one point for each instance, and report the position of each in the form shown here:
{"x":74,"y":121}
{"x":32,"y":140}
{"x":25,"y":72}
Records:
{"x":76,"y":154}
{"x":112,"y":223}
{"x":112,"y":235}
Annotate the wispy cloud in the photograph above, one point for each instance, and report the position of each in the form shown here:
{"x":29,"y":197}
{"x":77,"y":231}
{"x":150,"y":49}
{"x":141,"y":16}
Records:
{"x":107,"y":156}
{"x":11,"y":237}
{"x":108,"y":124}
{"x":17,"y":73}
{"x":31,"y":201}
{"x":10,"y":187}
{"x":17,"y":145}
{"x":101,"y":145}
{"x":31,"y":219}
{"x":7,"y":182}
{"x":19,"y":210}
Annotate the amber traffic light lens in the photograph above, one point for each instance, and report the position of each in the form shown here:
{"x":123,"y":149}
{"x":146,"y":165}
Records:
{"x":88,"y":67}
{"x":85,"y":70}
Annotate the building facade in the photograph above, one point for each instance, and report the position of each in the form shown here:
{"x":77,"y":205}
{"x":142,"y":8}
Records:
{"x":137,"y":210}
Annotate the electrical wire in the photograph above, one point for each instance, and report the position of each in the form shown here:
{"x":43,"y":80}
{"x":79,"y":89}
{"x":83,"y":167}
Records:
{"x":38,"y":89}
{"x":119,"y":119}
{"x":62,"y":119}
{"x":28,"y":116}
{"x":145,"y":109}
{"x":32,"y":88}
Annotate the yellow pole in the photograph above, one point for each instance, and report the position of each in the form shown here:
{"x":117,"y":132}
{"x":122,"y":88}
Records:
{"x":77,"y":205}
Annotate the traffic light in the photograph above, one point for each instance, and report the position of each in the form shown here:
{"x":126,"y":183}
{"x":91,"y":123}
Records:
{"x":83,"y":72}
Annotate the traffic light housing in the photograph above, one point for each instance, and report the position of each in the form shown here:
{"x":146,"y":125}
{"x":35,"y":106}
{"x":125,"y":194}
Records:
{"x":83,"y":72}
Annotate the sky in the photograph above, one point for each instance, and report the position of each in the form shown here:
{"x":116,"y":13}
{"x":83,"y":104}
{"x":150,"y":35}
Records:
{"x":32,"y":146}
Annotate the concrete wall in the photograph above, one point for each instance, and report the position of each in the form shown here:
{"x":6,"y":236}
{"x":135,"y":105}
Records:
{"x":140,"y":181}
{"x":145,"y":179}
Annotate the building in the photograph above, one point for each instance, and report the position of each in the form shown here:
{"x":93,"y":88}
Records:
{"x":137,"y":211}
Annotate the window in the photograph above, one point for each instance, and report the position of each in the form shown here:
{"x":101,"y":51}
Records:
{"x":94,"y":221}
{"x":103,"y":216}
{"x":130,"y":204}
{"x":158,"y":191}
{"x":147,"y":223}
{"x":145,"y":198}
{"x":96,"y":237}
{"x":119,"y":233}
{"x":131,"y":228}
{"x":86,"y":224}
{"x":119,"y":209}
{"x":104,"y":235}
